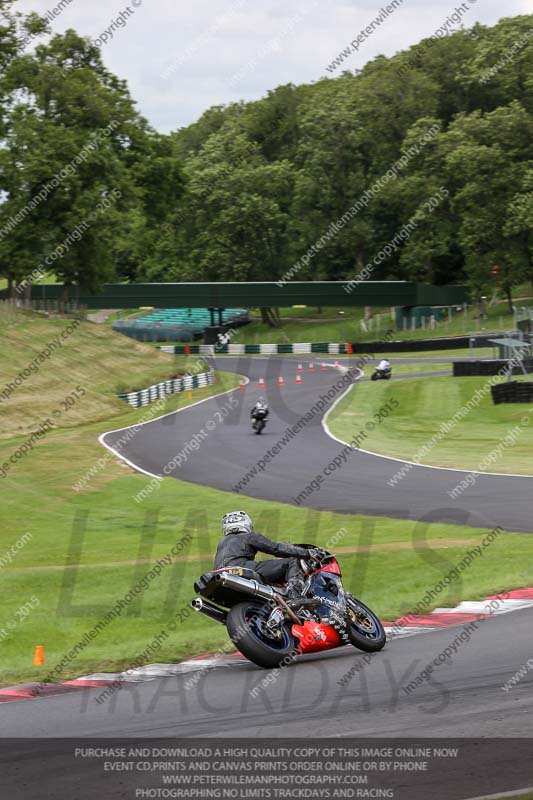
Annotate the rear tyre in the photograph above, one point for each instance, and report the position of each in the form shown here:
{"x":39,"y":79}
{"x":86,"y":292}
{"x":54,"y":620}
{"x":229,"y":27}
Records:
{"x":365,"y":630}
{"x":247,"y":630}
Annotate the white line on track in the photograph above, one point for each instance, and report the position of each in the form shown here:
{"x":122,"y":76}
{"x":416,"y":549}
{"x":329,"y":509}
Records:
{"x":155,"y":419}
{"x":325,"y":427}
{"x":402,"y":460}
{"x":517,"y":793}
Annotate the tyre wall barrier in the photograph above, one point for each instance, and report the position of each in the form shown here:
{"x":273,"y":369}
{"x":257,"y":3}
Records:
{"x":158,"y":390}
{"x":417,"y":345}
{"x":512,"y":392}
{"x":462,"y":369}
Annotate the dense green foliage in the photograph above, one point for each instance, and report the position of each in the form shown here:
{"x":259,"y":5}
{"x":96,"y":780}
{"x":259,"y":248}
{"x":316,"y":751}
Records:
{"x":249,"y":189}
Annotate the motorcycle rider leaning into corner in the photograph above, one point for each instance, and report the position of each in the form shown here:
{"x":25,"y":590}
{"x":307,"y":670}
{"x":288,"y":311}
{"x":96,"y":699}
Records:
{"x":240,"y":544}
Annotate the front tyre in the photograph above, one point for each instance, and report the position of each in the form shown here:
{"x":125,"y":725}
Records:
{"x":365,"y":630}
{"x":260,"y":425}
{"x":246,"y":624}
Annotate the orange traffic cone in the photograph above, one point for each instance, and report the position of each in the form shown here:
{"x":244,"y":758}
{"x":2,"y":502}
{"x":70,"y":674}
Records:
{"x":261,"y":383}
{"x":300,"y":368}
{"x":311,"y":367}
{"x":299,"y":379}
{"x":281,"y":382}
{"x":38,"y":658}
{"x":324,"y":366}
{"x":336,"y":365}
{"x":242,"y":385}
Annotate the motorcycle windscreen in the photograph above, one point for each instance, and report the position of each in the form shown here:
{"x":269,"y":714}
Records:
{"x":327,"y":587}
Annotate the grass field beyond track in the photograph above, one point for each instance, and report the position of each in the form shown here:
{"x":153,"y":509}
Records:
{"x":423,"y":405}
{"x":51,"y":359}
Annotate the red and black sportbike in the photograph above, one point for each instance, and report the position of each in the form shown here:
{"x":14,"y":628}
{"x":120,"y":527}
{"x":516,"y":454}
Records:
{"x":270,"y":629}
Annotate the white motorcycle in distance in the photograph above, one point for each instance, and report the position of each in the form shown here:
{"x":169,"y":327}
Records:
{"x":383,"y":371}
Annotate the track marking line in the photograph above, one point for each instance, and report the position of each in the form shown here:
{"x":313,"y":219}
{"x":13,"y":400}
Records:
{"x":327,"y":430}
{"x":438,"y":619}
{"x":156,"y":419}
{"x":517,"y":793}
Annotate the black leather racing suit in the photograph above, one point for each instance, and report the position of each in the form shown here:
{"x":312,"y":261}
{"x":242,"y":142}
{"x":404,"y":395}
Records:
{"x":240,"y":549}
{"x":253,"y":412}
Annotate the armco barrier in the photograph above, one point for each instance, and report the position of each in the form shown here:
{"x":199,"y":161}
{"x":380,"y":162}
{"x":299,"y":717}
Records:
{"x":331,"y":348}
{"x":299,"y":348}
{"x":158,"y":390}
{"x":462,"y":369}
{"x":512,"y":392}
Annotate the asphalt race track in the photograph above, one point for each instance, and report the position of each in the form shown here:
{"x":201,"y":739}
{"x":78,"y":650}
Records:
{"x":464,"y":697}
{"x":230,"y":449}
{"x":335,"y":695}
{"x":463,"y":700}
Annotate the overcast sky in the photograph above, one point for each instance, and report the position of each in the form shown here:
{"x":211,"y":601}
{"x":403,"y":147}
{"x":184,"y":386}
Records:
{"x":181,"y":58}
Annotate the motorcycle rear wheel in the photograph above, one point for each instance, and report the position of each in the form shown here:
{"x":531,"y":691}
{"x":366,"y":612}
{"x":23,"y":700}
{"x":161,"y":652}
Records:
{"x":246,"y":628}
{"x":365,"y":630}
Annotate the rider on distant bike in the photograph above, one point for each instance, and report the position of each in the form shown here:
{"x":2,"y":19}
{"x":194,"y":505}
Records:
{"x":262,"y":407}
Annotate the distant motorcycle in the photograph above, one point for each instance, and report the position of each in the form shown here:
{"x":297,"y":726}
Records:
{"x":382,"y":374}
{"x":270,"y":629}
{"x":259,"y":420}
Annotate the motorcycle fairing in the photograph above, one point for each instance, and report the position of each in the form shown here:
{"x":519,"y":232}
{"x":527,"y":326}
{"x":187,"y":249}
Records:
{"x":327,"y":587}
{"x":315,"y":636}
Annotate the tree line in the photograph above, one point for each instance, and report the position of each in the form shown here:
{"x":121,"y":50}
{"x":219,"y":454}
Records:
{"x":250,"y":188}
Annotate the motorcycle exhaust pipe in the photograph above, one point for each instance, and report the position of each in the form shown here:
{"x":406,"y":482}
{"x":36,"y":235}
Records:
{"x":245,"y":585}
{"x":256,"y":590}
{"x":210,"y":610}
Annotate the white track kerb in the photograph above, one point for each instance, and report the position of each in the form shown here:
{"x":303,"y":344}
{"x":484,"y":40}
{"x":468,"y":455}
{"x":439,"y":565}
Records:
{"x":438,"y":619}
{"x":403,"y":460}
{"x":140,"y":424}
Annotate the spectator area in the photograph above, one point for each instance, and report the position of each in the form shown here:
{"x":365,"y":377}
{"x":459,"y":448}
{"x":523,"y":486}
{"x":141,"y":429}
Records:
{"x":197,"y":318}
{"x":177,"y":324}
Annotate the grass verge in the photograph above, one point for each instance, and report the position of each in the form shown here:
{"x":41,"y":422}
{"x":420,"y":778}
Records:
{"x":84,"y":550}
{"x":88,"y":549}
{"x":44,"y":361}
{"x":422,"y":407}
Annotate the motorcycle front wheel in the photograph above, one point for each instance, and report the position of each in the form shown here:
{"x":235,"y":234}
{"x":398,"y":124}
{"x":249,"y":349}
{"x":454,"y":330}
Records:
{"x":365,"y":630}
{"x":246,"y":624}
{"x":260,"y":425}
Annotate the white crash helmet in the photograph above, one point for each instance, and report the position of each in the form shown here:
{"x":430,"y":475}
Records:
{"x":236,"y":522}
